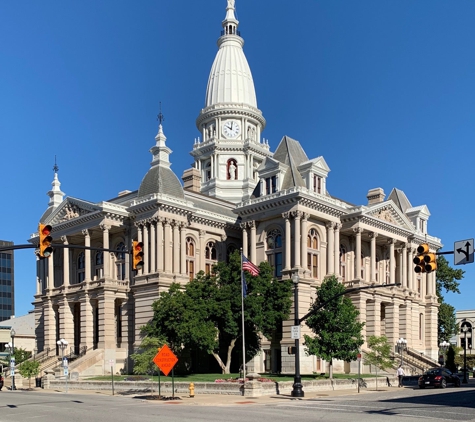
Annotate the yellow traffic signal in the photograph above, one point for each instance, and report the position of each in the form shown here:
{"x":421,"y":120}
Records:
{"x":137,"y":255}
{"x":425,"y":261}
{"x":44,"y":231}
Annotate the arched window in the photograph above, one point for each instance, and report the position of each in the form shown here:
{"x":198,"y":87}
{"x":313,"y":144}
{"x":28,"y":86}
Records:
{"x":313,"y":253}
{"x":274,"y":251}
{"x":343,"y":262}
{"x":81,"y":273}
{"x":120,"y":261}
{"x":232,"y":170}
{"x":210,"y":257}
{"x":190,"y":258}
{"x":99,"y":265}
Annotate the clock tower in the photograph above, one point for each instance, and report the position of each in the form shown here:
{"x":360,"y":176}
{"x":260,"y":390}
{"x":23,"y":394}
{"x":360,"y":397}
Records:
{"x":230,"y":149}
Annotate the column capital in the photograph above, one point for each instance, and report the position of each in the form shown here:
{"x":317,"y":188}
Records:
{"x":391,"y":241}
{"x":243,"y":225}
{"x":224,"y":237}
{"x":305,"y":216}
{"x":202,"y":233}
{"x":167,"y":221}
{"x":373,"y":235}
{"x":330,"y":225}
{"x":297,"y":214}
{"x":286,"y":215}
{"x":105,"y":227}
{"x":64,"y":239}
{"x":139,"y":224}
{"x":252,"y":224}
{"x":85,"y":232}
{"x":358,"y":230}
{"x":338,"y":226}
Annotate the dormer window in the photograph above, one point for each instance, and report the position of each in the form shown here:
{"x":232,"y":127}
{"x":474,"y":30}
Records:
{"x":271,"y":185}
{"x":317,"y":184}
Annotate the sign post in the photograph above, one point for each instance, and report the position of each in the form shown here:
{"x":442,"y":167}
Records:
{"x":111,"y":362}
{"x":165,"y":359}
{"x":358,"y":358}
{"x":65,"y":372}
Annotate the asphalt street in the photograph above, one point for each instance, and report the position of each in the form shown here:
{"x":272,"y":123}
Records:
{"x":404,"y":404}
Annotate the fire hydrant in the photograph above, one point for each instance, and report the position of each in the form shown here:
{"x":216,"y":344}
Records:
{"x":192,"y":389}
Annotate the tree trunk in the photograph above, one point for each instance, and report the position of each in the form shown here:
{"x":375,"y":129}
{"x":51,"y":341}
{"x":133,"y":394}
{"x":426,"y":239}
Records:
{"x":225,"y":367}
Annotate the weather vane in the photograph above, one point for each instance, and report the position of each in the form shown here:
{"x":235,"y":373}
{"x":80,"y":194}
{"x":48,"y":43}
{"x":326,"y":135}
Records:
{"x":55,"y":168}
{"x":160,"y":117}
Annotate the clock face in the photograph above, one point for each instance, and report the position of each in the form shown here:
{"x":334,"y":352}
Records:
{"x":231,"y":129}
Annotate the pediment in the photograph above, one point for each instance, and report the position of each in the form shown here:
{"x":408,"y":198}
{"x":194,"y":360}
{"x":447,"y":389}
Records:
{"x":390,"y":213}
{"x":70,"y":209}
{"x":270,"y":164}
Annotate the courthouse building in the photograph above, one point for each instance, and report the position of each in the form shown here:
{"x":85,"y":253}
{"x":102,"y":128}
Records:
{"x":275,"y":205}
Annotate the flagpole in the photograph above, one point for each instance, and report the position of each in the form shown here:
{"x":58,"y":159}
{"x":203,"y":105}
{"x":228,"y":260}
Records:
{"x":243,"y":336}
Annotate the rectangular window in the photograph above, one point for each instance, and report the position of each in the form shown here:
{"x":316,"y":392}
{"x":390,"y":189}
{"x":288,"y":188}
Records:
{"x":268,"y":191}
{"x":274,"y":184}
{"x":278,"y":264}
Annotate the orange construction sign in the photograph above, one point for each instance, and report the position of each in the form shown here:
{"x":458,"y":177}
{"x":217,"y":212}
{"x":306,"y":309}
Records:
{"x":165,"y":359}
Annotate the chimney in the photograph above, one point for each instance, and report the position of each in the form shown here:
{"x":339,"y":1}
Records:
{"x":191,"y":179}
{"x":375,"y":196}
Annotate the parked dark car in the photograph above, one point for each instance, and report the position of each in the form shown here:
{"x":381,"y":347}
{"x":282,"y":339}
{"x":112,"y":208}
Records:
{"x":438,"y":377}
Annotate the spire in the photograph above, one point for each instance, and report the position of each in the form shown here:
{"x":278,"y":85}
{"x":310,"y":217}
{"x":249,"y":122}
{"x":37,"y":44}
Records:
{"x":230,"y":23}
{"x":55,"y":194}
{"x":160,"y":151}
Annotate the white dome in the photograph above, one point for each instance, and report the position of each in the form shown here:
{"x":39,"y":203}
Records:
{"x":230,"y":79}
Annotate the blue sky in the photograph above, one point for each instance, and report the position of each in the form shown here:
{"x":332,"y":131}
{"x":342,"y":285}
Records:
{"x":384,"y":90}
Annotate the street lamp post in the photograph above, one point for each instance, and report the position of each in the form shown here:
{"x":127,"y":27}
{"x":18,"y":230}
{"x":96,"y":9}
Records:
{"x":466,"y":328}
{"x":444,"y":346}
{"x":12,"y":358}
{"x":401,"y":347}
{"x":62,"y":344}
{"x":297,"y":390}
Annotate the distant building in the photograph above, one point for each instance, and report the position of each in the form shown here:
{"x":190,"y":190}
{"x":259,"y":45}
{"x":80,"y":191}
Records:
{"x":464,"y":319}
{"x":7,"y":282}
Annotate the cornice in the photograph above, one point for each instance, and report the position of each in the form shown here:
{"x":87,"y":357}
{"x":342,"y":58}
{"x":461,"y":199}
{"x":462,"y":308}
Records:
{"x":230,"y":109}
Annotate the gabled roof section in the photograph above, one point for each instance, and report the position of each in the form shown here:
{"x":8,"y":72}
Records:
{"x":389,"y":212}
{"x":291,"y":153}
{"x":318,"y":162}
{"x":400,"y":199}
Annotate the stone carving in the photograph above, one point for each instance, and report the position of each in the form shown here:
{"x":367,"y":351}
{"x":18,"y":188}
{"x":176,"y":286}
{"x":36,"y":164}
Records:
{"x":286,"y":215}
{"x":357,"y":230}
{"x":105,"y":227}
{"x":232,"y":171}
{"x":243,"y":225}
{"x":386,"y":215}
{"x":330,"y":225}
{"x":70,"y":211}
{"x":85,"y":232}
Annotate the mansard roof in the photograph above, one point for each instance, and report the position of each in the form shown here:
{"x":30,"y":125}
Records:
{"x":400,"y":199}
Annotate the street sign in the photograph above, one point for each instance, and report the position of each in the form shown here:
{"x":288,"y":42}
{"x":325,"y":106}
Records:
{"x":66,"y":371}
{"x":65,"y":362}
{"x":463,"y":252}
{"x":358,"y":357}
{"x":295,"y":332}
{"x":165,"y":359}
{"x":111,"y":362}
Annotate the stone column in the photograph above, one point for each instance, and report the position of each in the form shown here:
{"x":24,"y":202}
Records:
{"x":176,"y":248}
{"x":330,"y":247}
{"x":297,"y":217}
{"x":392,"y":267}
{"x":183,"y":249}
{"x":252,"y":225}
{"x":358,"y":231}
{"x":303,"y":243}
{"x":86,"y":322}
{"x":153,"y":246}
{"x":373,"y":318}
{"x":399,"y":265}
{"x":201,"y":255}
{"x":404,"y":265}
{"x":245,"y":241}
{"x":106,"y":320}
{"x":87,"y":256}
{"x":410,"y":269}
{"x":51,"y":271}
{"x":373,"y":237}
{"x":168,"y":245}
{"x":392,"y":322}
{"x":287,"y":264}
{"x":66,"y":273}
{"x":159,"y":244}
{"x":106,"y":255}
{"x":49,"y":325}
{"x":66,"y":323}
{"x":337,"y":249}
{"x":146,"y":250}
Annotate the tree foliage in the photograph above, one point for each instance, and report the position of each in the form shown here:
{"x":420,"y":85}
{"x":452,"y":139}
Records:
{"x":448,"y":280}
{"x":143,"y":357}
{"x":450,"y":361}
{"x":206,"y":313}
{"x":379,"y":355}
{"x":337,"y":331}
{"x":29,"y":369}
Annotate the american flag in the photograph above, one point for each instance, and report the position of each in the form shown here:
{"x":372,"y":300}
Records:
{"x":249,"y":266}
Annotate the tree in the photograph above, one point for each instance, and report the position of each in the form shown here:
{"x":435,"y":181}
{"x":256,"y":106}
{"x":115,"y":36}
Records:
{"x":205,"y":314}
{"x":143,"y":358}
{"x":28,"y":369}
{"x":450,"y":361}
{"x":379,"y":354}
{"x":447,"y":279}
{"x":337,"y":331}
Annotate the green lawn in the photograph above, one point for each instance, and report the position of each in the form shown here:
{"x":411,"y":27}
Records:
{"x":213,"y":377}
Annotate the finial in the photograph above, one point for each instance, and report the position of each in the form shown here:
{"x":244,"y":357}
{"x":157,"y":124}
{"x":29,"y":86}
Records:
{"x":55,"y":168}
{"x":160,"y":117}
{"x":230,"y":4}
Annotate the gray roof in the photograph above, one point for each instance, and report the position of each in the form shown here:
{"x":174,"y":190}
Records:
{"x":161,"y":180}
{"x":23,"y":325}
{"x":400,"y":199}
{"x":291,"y":153}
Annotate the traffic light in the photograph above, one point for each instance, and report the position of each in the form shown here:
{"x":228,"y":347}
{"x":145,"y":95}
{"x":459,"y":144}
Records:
{"x":137,"y":255}
{"x":425,"y":261}
{"x":45,"y":240}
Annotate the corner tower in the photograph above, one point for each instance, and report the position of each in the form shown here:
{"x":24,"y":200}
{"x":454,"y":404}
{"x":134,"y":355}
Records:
{"x":231,"y":150}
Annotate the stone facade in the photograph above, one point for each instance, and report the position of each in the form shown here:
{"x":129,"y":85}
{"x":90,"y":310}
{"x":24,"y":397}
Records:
{"x":238,"y":194}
